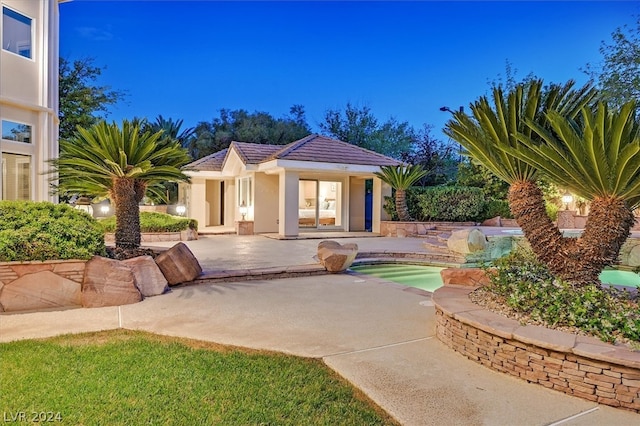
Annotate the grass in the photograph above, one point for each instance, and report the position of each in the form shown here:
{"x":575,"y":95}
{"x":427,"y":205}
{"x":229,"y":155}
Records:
{"x":127,"y":377}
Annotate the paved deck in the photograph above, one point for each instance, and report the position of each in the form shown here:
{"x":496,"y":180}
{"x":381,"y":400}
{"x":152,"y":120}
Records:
{"x":379,"y":336}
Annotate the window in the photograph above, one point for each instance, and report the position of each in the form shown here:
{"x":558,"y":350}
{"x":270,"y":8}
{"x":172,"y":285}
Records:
{"x":16,"y":33}
{"x":244,"y":192}
{"x":17,"y":132}
{"x":16,"y":177}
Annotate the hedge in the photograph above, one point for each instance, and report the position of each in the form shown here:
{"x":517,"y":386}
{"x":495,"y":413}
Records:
{"x":46,"y":231}
{"x":155,"y":222}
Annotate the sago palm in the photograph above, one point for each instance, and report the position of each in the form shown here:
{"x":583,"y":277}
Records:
{"x":598,"y":158}
{"x":490,"y":137}
{"x":123,"y":164}
{"x":401,"y":178}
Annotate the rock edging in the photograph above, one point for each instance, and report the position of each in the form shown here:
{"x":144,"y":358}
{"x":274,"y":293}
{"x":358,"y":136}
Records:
{"x":581,"y":366}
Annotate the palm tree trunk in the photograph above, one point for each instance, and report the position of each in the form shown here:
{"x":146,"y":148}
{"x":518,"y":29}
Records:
{"x":127,"y":233}
{"x":608,"y":226}
{"x":548,"y":244}
{"x":401,"y":206}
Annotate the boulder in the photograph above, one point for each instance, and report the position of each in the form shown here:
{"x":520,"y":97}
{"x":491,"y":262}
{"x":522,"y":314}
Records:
{"x":178,"y":264}
{"x":336,"y":257}
{"x":149,"y":278}
{"x":108,"y":282}
{"x":494,"y":221}
{"x":473,"y":277}
{"x":467,"y":241}
{"x":40,"y":290}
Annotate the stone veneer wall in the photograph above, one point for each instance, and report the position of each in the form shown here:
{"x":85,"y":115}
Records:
{"x":29,"y":285}
{"x":610,"y":377}
{"x":150,"y":237}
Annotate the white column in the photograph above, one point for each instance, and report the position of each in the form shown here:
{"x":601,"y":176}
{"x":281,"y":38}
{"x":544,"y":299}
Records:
{"x":196,"y":201}
{"x":288,"y":204}
{"x":380,"y":190}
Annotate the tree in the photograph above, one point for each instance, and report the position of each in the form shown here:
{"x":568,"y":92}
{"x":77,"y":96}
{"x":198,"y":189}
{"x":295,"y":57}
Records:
{"x":121,"y":163}
{"x":492,"y":136}
{"x":360,"y":127}
{"x":618,"y":76}
{"x":597,"y":158}
{"x":401,"y":178}
{"x":434,"y":156}
{"x":240,"y":125}
{"x":82,"y":102}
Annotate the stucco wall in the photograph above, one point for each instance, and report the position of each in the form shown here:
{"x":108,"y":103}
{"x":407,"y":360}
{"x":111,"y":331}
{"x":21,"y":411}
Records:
{"x":266,"y":203}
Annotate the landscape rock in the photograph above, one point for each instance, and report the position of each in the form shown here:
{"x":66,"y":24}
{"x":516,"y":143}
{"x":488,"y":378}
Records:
{"x":40,"y":290}
{"x":149,"y":278}
{"x":472,"y":277}
{"x":336,"y":257}
{"x":179,"y":265}
{"x":467,"y":241}
{"x":108,"y":282}
{"x":494,"y":221}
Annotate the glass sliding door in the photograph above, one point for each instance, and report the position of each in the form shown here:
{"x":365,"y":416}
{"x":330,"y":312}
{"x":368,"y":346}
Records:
{"x":308,"y":204}
{"x":320,"y":204}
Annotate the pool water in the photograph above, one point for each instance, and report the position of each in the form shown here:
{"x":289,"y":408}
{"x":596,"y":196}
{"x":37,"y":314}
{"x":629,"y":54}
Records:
{"x":428,"y":277}
{"x":418,"y":276}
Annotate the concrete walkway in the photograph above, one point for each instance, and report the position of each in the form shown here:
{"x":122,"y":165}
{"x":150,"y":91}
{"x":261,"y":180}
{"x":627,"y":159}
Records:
{"x":379,"y":336}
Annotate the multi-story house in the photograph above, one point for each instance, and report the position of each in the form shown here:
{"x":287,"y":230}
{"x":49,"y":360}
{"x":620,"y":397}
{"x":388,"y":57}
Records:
{"x":29,"y":35}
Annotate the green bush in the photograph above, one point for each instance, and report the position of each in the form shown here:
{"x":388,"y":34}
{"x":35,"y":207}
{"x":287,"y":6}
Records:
{"x":412,"y":197}
{"x":530,"y":289}
{"x":47,"y":231}
{"x":451,"y":203}
{"x":155,"y":222}
{"x":493,"y":208}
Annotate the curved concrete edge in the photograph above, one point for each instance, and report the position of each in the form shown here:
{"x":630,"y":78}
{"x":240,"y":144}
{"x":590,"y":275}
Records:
{"x":591,"y":361}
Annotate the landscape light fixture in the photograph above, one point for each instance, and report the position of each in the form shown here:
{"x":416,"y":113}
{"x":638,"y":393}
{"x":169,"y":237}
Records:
{"x":447,"y":109}
{"x":243,"y":209}
{"x":104,"y":209}
{"x":181,"y":210}
{"x":84,"y":204}
{"x":567,"y":198}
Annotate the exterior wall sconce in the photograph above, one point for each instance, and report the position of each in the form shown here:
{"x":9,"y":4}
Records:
{"x":243,"y":209}
{"x":567,"y":198}
{"x":181,"y":210}
{"x":104,"y":210}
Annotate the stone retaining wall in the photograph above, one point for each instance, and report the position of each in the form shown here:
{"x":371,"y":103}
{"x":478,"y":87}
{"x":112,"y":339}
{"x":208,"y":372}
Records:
{"x":38,"y":285}
{"x":576,"y":365}
{"x":412,"y":229}
{"x":151,"y":237}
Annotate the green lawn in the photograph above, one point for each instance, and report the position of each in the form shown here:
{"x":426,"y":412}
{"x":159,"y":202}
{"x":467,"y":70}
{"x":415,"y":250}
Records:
{"x":126,"y":377}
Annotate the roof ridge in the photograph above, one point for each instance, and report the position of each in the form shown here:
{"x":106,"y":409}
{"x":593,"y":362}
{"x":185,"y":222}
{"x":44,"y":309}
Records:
{"x":289,"y":148}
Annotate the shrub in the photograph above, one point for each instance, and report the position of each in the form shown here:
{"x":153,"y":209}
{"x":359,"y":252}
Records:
{"x":412,"y":196}
{"x":155,"y":222}
{"x":493,"y":208}
{"x":451,"y":203}
{"x":46,"y":231}
{"x":528,"y":287}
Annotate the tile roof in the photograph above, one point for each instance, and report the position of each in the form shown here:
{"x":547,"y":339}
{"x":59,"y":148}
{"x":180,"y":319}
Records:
{"x":326,"y":150}
{"x":313,"y":148}
{"x":210,"y":163}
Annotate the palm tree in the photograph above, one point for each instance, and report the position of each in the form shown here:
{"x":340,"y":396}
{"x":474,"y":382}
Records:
{"x":401,"y":178}
{"x":490,"y":136}
{"x":597,"y":158}
{"x":123,"y":164}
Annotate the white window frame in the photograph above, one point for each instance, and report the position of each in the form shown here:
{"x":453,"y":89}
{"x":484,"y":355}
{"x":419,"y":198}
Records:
{"x":245,"y":191}
{"x":28,"y":159}
{"x":31,"y":41}
{"x":2,"y":121}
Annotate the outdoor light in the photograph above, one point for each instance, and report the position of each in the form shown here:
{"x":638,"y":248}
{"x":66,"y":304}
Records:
{"x":567,"y":198}
{"x":84,"y":204}
{"x":181,"y":210}
{"x":104,"y":210}
{"x":243,"y":209}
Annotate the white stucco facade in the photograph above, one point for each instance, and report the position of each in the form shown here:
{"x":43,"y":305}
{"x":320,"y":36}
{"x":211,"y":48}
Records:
{"x":29,"y":37}
{"x":287,"y":195}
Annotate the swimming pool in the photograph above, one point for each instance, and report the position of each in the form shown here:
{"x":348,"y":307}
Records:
{"x":428,"y":277}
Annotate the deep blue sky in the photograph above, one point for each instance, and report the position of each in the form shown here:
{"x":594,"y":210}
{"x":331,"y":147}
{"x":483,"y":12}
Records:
{"x":188,"y":59}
